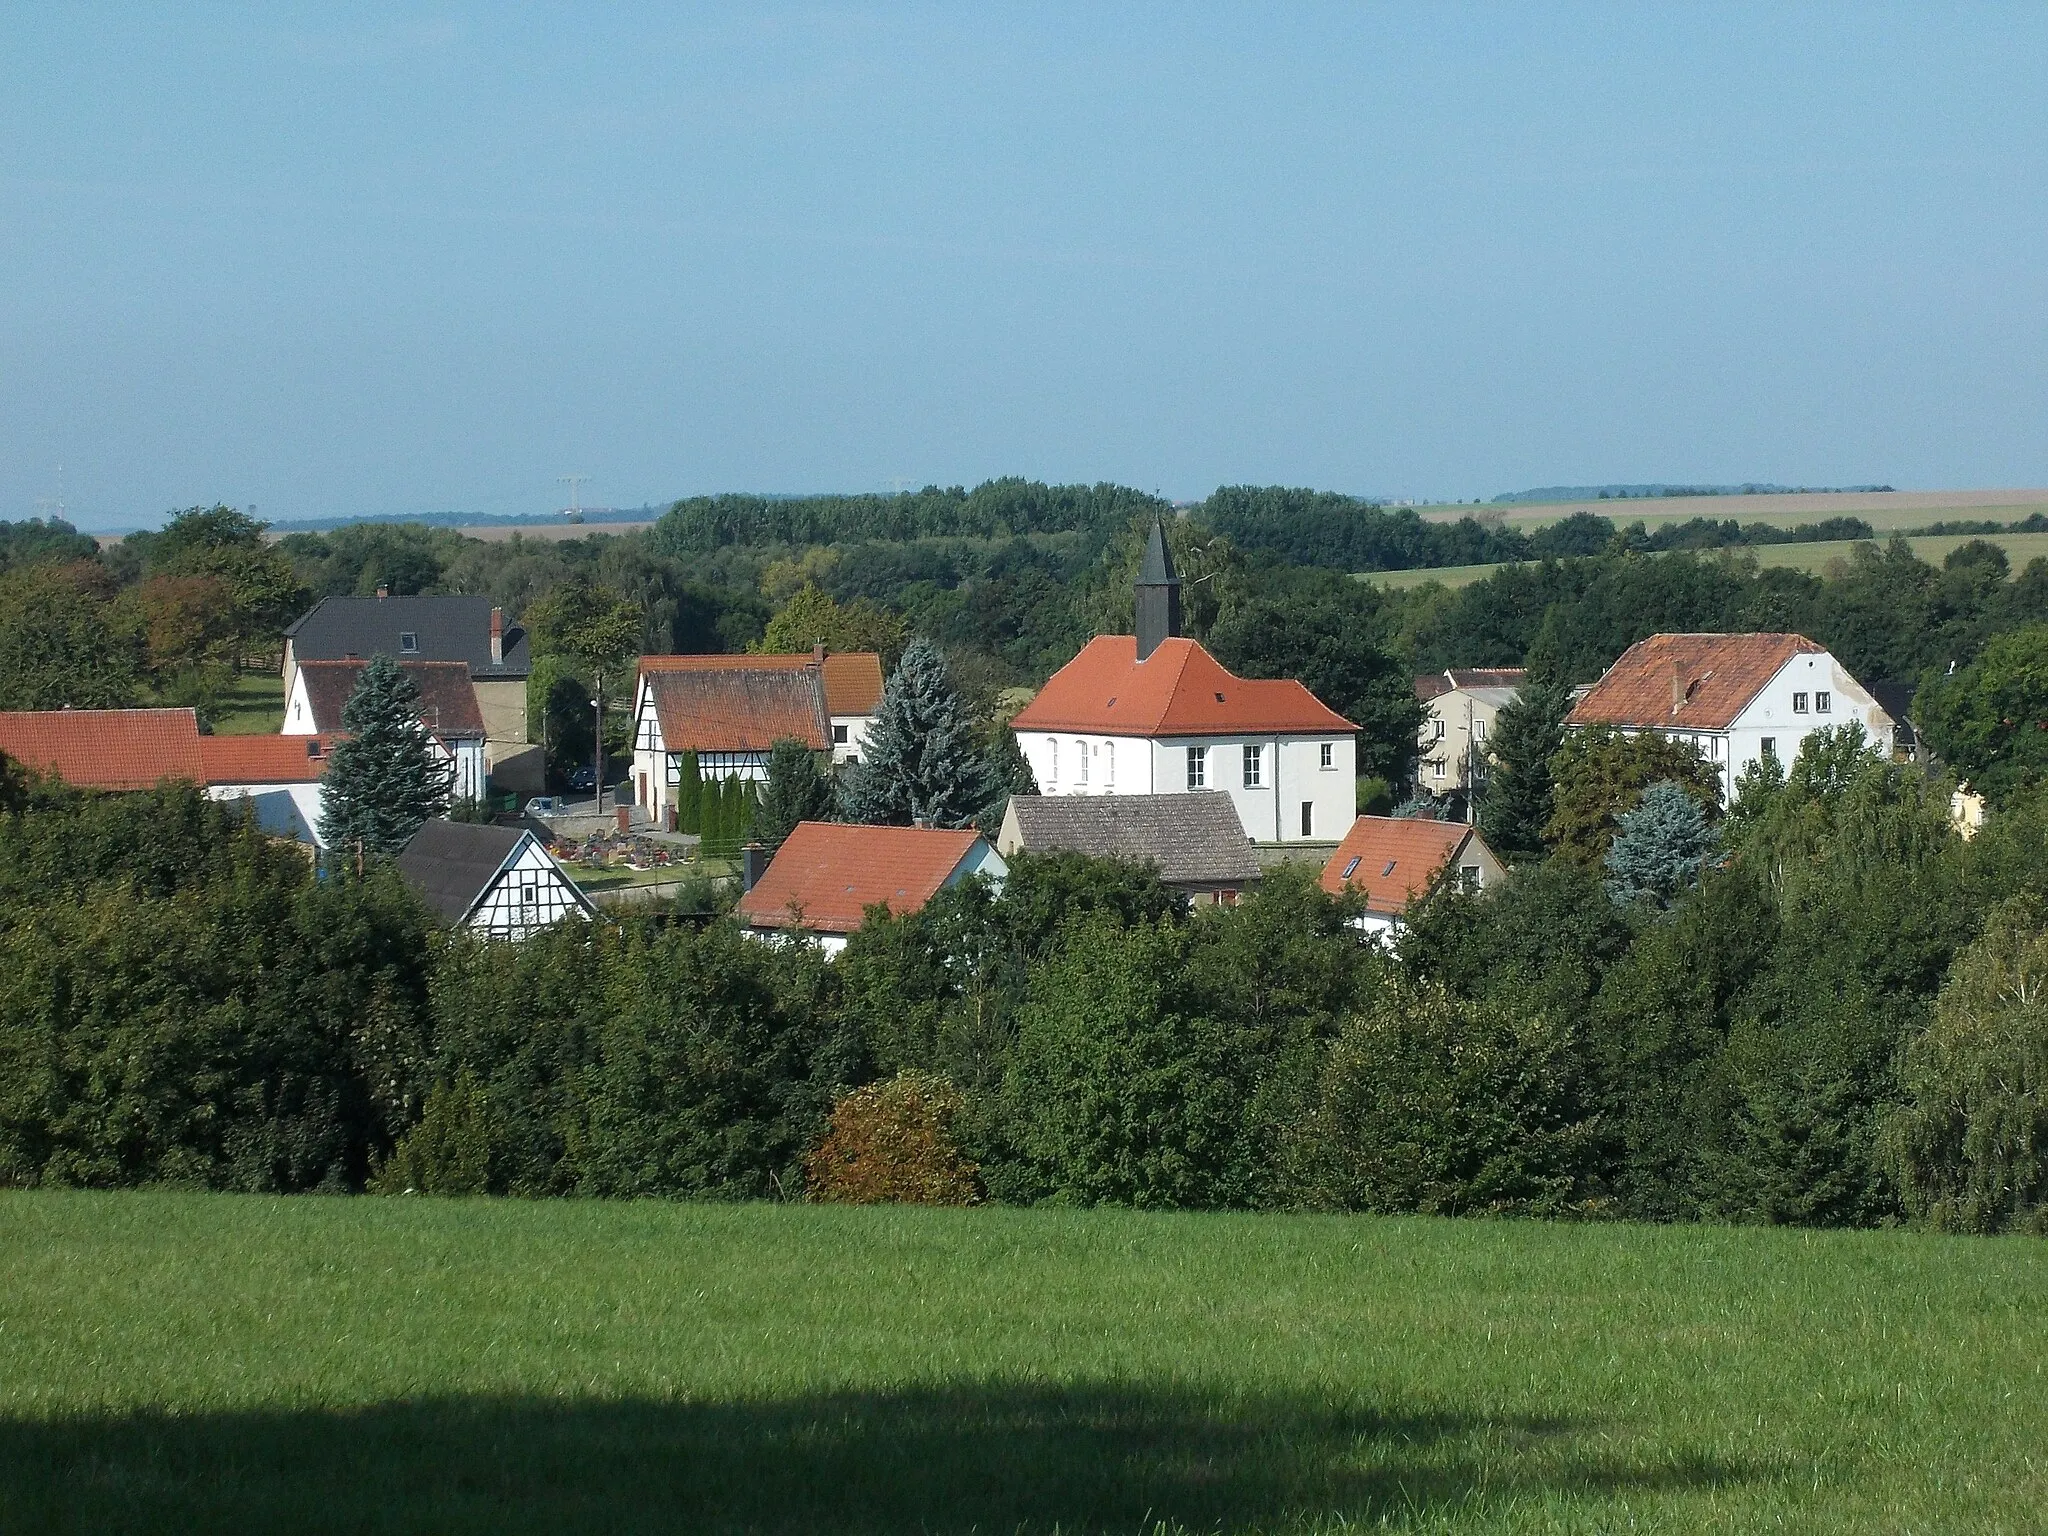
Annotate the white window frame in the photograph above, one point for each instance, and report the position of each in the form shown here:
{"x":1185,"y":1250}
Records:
{"x":1198,"y":767}
{"x":1254,"y":766}
{"x":1329,"y":755}
{"x":1798,"y":703}
{"x":1109,"y":765}
{"x":1823,"y":702}
{"x":1052,"y":761}
{"x":1081,"y":753}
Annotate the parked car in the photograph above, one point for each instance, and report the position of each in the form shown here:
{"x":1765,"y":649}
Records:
{"x":584,"y":780}
{"x":544,"y":805}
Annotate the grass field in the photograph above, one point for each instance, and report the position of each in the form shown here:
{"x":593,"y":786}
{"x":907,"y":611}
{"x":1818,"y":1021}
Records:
{"x":253,"y":705}
{"x":185,"y":1362}
{"x":1885,"y":511}
{"x":2019,"y":548}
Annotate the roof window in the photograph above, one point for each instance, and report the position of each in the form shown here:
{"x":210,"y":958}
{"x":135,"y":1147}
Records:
{"x":312,"y":746}
{"x":1219,"y":698}
{"x":408,"y":643}
{"x":1389,"y":869}
{"x":1351,"y":868}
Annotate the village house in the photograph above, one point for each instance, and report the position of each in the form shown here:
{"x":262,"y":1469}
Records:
{"x":498,"y":881}
{"x":825,"y":876}
{"x":449,"y":709}
{"x":277,"y":777}
{"x":1154,"y":713}
{"x":1195,"y":841}
{"x":1462,"y":703}
{"x":1732,"y":698}
{"x":731,"y":710}
{"x":451,"y":628}
{"x":1394,"y":862}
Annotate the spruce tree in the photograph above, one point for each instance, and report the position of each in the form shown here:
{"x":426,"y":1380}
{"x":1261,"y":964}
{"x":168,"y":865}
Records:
{"x":1659,"y":846}
{"x":689,"y":795}
{"x":925,"y":759}
{"x":1516,"y":803}
{"x":386,"y":778}
{"x":797,"y":790}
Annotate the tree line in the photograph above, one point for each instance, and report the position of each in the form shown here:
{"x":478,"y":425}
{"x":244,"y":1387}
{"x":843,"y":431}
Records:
{"x":1834,"y":1018}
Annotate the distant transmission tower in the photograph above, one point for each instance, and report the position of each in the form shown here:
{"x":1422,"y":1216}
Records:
{"x":574,"y":511}
{"x":53,"y":506}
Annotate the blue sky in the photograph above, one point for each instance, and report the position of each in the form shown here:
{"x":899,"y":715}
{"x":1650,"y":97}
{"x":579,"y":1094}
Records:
{"x":341,"y":260}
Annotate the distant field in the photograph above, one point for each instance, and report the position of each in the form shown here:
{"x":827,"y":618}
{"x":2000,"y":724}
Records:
{"x":1883,"y":510}
{"x":190,"y":1362}
{"x":2019,"y":548}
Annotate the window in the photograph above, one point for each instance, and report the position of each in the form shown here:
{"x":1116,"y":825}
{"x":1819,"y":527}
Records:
{"x":1308,"y":818}
{"x":1254,"y":767}
{"x":1351,"y":868}
{"x":838,"y":735}
{"x":1436,"y":730}
{"x":1798,"y":703}
{"x":1479,"y":730}
{"x":408,"y":643}
{"x":1437,"y":768}
{"x":1081,"y":767}
{"x":1468,"y":878}
{"x":1226,"y":898}
{"x":1823,"y":702}
{"x":1329,"y":755}
{"x":1770,"y":745}
{"x":528,"y":895}
{"x":1052,"y":762}
{"x":1198,"y":767}
{"x":1109,"y":765}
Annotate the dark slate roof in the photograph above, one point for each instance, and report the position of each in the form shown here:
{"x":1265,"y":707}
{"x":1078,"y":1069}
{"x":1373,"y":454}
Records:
{"x":452,"y":863}
{"x":448,"y":706}
{"x":455,"y":628}
{"x":1156,"y":568}
{"x":1194,"y":839}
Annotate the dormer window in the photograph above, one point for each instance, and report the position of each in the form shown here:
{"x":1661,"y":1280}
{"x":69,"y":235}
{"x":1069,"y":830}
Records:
{"x":408,"y":643}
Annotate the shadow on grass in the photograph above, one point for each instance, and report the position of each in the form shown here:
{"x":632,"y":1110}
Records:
{"x":994,"y":1458}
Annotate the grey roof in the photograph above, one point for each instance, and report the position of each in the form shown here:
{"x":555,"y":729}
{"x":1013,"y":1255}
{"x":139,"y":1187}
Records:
{"x":452,"y":628}
{"x":1195,"y":839}
{"x":1156,"y":569}
{"x":452,"y":863}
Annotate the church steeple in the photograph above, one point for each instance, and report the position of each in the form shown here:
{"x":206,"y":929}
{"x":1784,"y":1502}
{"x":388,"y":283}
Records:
{"x":1158,"y":593}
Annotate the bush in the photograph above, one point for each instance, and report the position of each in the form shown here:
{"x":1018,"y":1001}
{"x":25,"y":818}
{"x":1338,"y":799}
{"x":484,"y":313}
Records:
{"x":449,"y":1151}
{"x":892,"y":1144}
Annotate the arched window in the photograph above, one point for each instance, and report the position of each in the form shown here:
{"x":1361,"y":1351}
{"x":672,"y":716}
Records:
{"x":1081,"y":772}
{"x":1052,"y":761}
{"x":1109,"y":765}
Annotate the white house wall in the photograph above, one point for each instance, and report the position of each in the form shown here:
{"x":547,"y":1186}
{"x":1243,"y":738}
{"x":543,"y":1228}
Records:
{"x":298,"y":709}
{"x":1291,"y":775}
{"x":282,"y":810}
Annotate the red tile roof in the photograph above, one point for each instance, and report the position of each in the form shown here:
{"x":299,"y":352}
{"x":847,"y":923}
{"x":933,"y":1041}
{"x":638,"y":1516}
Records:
{"x":1392,"y":860}
{"x":264,"y":759}
{"x":105,"y":748}
{"x":831,"y":874}
{"x":448,"y":705}
{"x":738,"y":709}
{"x":1680,"y":682}
{"x":853,"y":679}
{"x":1179,"y":690}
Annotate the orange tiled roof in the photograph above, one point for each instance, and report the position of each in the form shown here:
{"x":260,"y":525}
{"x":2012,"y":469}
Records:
{"x":448,"y":705}
{"x":1681,"y":682}
{"x":1179,"y":690}
{"x":105,"y":748}
{"x":1393,"y":860}
{"x":853,"y":679}
{"x":264,"y":759}
{"x":738,"y":709}
{"x":831,"y":874}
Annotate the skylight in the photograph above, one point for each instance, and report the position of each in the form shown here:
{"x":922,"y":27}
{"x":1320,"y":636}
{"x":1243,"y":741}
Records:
{"x":409,"y":643}
{"x":1389,"y":869}
{"x":1351,"y":868}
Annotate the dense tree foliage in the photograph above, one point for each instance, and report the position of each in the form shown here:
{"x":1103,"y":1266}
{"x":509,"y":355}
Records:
{"x":385,"y":778}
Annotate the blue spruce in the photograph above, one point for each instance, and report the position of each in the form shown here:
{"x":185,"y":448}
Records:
{"x":1659,"y":847}
{"x":386,"y":778}
{"x":925,"y":759}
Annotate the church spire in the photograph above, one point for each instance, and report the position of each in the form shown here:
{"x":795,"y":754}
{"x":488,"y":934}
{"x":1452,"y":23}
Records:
{"x":1158,"y":593}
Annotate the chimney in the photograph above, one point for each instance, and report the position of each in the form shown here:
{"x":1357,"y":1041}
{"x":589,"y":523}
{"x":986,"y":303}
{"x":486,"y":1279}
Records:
{"x":1677,"y":685}
{"x":497,"y":637}
{"x":753,"y":865}
{"x":817,"y":653}
{"x":383,"y":591}
{"x":1158,"y":593}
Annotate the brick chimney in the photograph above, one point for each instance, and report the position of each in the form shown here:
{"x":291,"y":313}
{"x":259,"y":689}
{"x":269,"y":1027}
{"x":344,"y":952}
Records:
{"x":1677,"y":685}
{"x":383,"y":591}
{"x":497,"y":637}
{"x":818,"y":653}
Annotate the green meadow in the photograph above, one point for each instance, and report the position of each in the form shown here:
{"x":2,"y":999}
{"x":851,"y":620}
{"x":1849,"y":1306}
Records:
{"x":192,"y":1362}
